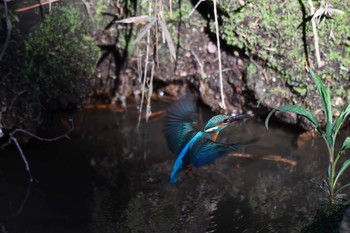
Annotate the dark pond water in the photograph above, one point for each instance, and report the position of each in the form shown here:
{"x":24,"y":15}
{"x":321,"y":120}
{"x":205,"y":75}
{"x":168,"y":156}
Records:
{"x":111,"y":178}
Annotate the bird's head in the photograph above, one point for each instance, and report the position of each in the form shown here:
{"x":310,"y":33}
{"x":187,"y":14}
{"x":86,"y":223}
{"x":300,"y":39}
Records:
{"x":219,"y":122}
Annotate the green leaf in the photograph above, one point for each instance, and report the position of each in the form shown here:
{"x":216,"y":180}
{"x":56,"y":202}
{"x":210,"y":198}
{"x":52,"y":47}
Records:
{"x":346,"y":144}
{"x":325,"y":96}
{"x":268,"y":118}
{"x":294,"y":109}
{"x":346,"y":164}
{"x":327,"y":107}
{"x":343,"y":114}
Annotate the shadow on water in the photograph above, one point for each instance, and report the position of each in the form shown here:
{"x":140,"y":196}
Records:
{"x":111,"y":178}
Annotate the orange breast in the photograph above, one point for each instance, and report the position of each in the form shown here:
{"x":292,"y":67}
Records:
{"x":215,"y":135}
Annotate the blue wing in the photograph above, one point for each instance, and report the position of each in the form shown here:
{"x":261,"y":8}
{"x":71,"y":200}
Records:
{"x":180,"y":162}
{"x":178,"y":124}
{"x":206,"y":151}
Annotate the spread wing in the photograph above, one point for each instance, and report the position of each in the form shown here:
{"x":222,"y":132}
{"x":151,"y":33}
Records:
{"x":179,"y":124}
{"x":207,"y":151}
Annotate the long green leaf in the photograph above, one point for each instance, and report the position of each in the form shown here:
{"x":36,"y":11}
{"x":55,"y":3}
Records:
{"x":346,"y":164}
{"x":343,"y":114}
{"x":327,"y":107}
{"x":325,"y":96}
{"x":294,"y":109}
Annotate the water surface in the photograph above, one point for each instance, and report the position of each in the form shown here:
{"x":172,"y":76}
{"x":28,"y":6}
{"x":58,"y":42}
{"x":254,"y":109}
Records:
{"x":110,"y":177}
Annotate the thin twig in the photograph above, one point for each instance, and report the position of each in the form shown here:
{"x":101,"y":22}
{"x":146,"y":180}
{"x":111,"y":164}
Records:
{"x":150,"y":91}
{"x":194,"y":8}
{"x":314,"y":29}
{"x":199,"y":63}
{"x":145,"y":71}
{"x":23,"y":158}
{"x":87,"y":8}
{"x":13,"y":139}
{"x":20,"y":208}
{"x":8,"y":30}
{"x":12,"y":134}
{"x":222,"y":105}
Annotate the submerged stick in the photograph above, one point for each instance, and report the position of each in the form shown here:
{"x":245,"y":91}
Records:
{"x":276,"y":158}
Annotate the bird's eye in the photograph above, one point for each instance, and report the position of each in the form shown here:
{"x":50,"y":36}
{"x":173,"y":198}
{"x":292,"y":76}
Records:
{"x":227,"y":120}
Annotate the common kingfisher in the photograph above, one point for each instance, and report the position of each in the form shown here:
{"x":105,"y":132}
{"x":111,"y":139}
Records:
{"x":194,"y":148}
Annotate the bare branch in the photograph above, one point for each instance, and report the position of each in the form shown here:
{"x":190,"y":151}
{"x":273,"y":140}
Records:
{"x":13,"y":139}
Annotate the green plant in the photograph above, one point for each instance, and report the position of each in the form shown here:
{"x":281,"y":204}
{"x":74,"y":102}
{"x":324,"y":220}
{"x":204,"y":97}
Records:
{"x":329,"y":135}
{"x":60,"y":56}
{"x":51,"y":64}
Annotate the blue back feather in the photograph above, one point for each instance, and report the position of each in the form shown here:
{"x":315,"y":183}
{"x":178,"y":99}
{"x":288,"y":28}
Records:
{"x":206,"y":151}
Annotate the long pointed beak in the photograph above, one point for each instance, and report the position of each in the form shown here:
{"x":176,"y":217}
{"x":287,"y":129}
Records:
{"x":237,"y":118}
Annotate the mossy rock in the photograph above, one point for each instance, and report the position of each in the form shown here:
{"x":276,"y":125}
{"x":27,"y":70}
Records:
{"x":277,"y":35}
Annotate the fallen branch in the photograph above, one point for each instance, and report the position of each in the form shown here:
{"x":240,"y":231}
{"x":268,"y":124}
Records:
{"x":13,"y":139}
{"x":36,"y":5}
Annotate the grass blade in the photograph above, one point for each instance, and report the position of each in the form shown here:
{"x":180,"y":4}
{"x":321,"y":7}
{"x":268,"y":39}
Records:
{"x":325,"y":95}
{"x":342,"y":188}
{"x":346,"y":144}
{"x":327,"y":107}
{"x":294,"y":109}
{"x":137,"y":19}
{"x":346,"y":164}
{"x":344,"y":113}
{"x":145,"y":29}
{"x":167,"y":38}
